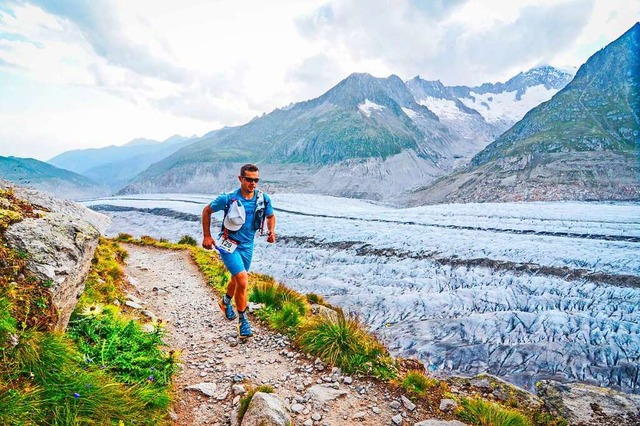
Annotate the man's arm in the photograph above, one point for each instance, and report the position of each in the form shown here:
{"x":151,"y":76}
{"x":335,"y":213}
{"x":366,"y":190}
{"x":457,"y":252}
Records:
{"x":271,"y":228}
{"x":207,"y":241}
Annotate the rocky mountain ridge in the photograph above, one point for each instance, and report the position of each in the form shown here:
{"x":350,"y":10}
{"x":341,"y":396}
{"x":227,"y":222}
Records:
{"x":383,"y":130}
{"x":580,"y":145}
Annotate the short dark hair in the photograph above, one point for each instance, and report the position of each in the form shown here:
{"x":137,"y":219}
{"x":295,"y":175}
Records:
{"x":248,"y":168}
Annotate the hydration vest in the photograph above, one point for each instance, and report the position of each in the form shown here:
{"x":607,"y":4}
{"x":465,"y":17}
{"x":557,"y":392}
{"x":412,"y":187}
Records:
{"x":258,"y":214}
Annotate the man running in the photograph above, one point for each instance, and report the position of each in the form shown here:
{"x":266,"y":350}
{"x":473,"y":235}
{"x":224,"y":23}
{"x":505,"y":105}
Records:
{"x":246,"y":209}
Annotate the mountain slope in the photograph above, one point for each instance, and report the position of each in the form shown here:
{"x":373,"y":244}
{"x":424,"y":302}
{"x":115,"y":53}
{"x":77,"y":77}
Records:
{"x":366,"y":137}
{"x":362,"y":126}
{"x":45,"y":177}
{"x":114,"y":166}
{"x":583,"y":144}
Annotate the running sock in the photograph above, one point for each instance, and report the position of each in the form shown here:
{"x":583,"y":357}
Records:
{"x":226,"y":299}
{"x":241,"y":314}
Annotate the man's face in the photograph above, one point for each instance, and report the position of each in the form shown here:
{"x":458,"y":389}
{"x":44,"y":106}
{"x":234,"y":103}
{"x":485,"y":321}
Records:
{"x":249,"y":181}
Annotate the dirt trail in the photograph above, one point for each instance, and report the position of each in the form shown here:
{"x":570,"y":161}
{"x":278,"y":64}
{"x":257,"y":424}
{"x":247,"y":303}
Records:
{"x":171,"y":286}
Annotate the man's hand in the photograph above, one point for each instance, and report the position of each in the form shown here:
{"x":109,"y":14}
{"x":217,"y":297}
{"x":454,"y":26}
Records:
{"x":271,"y":236}
{"x":207,"y":242}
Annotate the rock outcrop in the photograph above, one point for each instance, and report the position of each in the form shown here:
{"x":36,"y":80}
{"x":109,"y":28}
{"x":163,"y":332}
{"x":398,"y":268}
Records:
{"x":582,"y":404}
{"x":266,"y":409}
{"x":60,"y":245}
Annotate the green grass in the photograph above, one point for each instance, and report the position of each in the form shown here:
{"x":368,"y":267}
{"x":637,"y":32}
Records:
{"x":246,"y":400}
{"x":118,"y":345}
{"x":316,"y":299}
{"x":415,"y":383}
{"x":49,"y":378}
{"x":479,"y":412}
{"x":186,"y":239}
{"x":45,"y":381}
{"x":343,"y":341}
{"x":284,"y":308}
{"x":105,"y":282}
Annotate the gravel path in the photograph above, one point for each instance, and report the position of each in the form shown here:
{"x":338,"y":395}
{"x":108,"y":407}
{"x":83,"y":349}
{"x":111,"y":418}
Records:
{"x":170,"y":285}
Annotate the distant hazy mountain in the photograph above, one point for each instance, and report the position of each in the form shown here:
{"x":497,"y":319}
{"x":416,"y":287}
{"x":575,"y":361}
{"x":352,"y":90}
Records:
{"x":583,"y":144}
{"x":366,"y":137}
{"x":45,"y":177}
{"x":114,"y":166}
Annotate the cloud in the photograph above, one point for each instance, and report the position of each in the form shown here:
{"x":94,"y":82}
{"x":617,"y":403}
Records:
{"x":6,"y":64}
{"x":315,"y":75}
{"x":103,"y":29}
{"x":536,"y":36}
{"x":445,"y":40}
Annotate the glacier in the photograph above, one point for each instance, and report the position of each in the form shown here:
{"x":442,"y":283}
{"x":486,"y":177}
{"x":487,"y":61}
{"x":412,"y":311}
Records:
{"x":525,"y":291}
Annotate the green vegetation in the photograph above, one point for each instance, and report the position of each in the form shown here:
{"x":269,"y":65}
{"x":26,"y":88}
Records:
{"x":344,"y":341}
{"x":415,"y":383}
{"x":105,"y":281}
{"x":105,"y":371}
{"x":118,"y":345}
{"x":186,"y":239}
{"x":316,"y":299}
{"x":284,"y":308}
{"x":246,"y":400}
{"x":45,"y":381}
{"x":479,"y":412}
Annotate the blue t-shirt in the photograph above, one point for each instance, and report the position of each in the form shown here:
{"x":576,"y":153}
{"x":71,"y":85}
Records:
{"x":246,"y":234}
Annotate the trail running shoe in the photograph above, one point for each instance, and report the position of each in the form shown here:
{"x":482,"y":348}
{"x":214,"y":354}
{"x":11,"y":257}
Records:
{"x":244,"y":329}
{"x":227,"y":309}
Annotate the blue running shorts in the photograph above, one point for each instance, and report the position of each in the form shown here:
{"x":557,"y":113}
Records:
{"x":239,"y":260}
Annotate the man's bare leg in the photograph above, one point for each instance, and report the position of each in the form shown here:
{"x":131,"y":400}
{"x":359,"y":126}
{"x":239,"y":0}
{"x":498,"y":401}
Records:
{"x":240,"y":282}
{"x":231,"y":288}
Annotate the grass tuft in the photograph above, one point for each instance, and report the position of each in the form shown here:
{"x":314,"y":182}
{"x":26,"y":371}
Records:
{"x":343,"y":341}
{"x":480,"y":412}
{"x":275,"y":295}
{"x":316,"y":299}
{"x":416,"y":383}
{"x":188,"y":240}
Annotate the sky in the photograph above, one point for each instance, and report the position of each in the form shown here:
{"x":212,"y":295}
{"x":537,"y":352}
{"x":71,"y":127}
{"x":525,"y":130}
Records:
{"x":78,"y":74}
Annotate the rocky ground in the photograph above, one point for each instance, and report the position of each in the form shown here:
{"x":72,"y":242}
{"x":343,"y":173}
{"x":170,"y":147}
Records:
{"x":217,"y":370}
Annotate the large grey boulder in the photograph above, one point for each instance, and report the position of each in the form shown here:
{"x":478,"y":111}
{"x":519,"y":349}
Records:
{"x":60,"y":244}
{"x":590,"y":405}
{"x":320,"y":394}
{"x":266,"y":409}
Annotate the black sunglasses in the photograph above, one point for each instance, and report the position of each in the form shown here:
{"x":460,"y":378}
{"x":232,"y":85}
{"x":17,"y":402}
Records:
{"x":251,"y":180}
